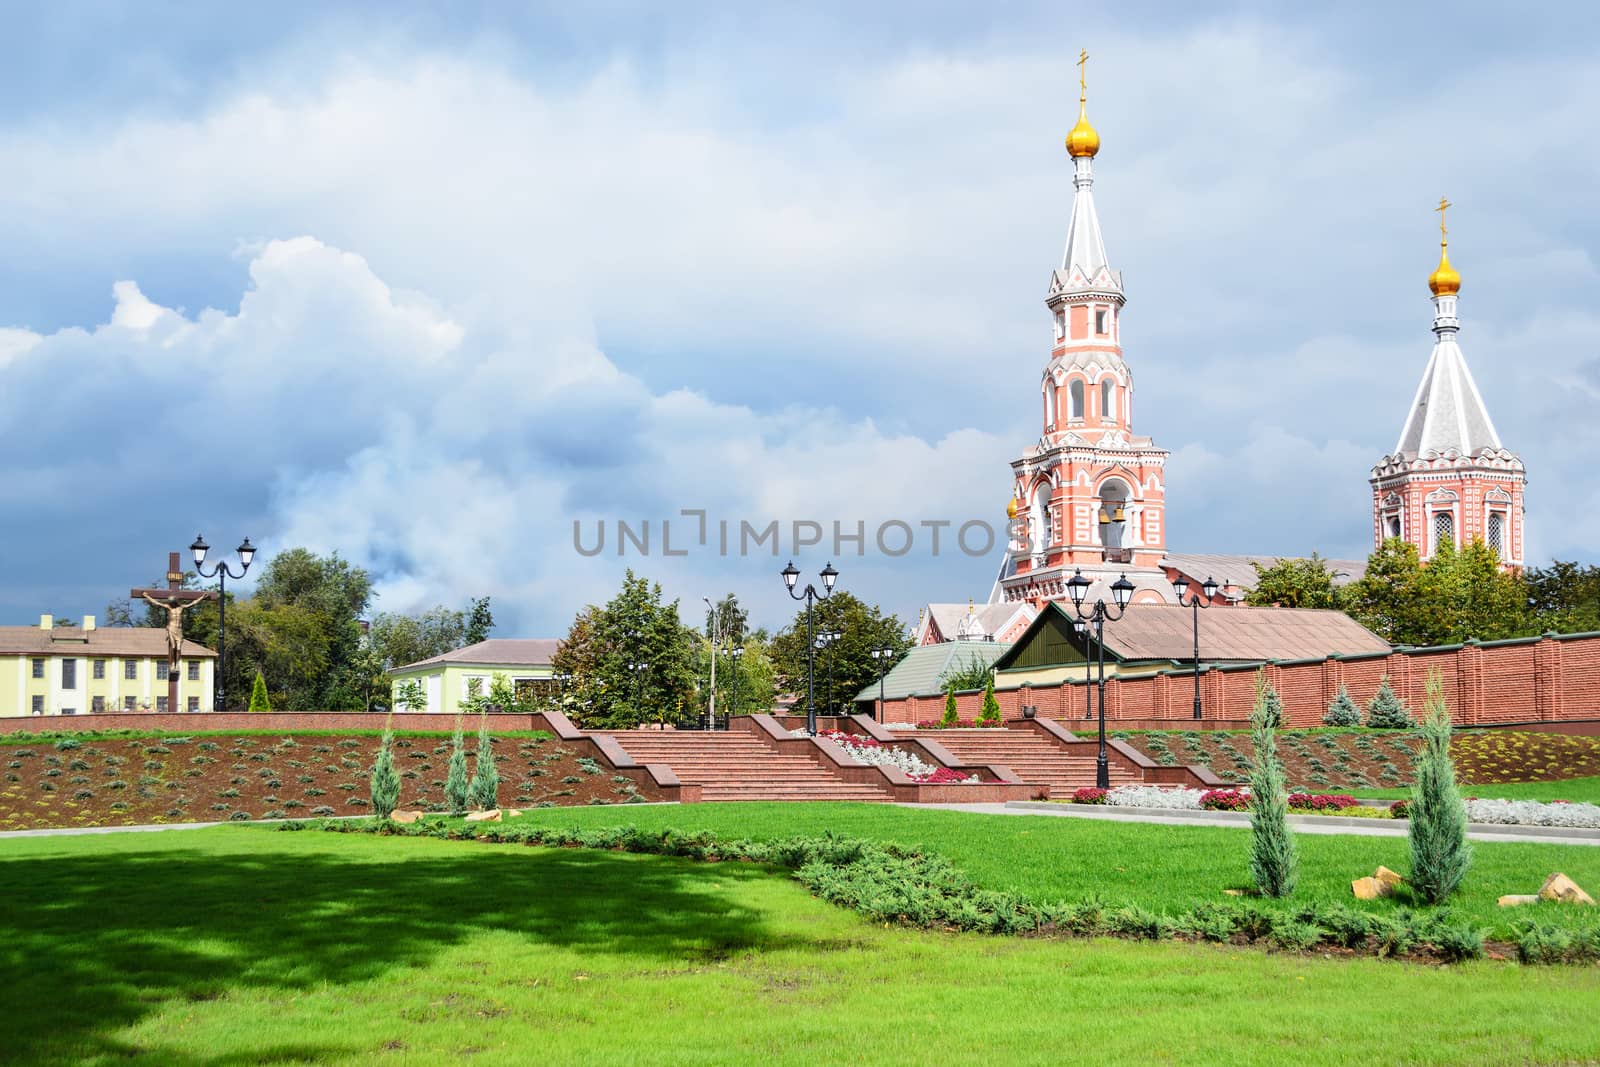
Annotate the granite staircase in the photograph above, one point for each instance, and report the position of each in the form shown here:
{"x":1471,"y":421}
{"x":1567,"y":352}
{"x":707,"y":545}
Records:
{"x":737,"y":765}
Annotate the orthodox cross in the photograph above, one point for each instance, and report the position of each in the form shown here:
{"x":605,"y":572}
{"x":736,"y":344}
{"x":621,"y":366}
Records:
{"x":174,"y":600}
{"x":1083,"y":67}
{"x":1443,"y":233}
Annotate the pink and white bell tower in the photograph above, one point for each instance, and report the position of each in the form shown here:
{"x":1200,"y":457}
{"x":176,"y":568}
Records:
{"x":1090,"y":493}
{"x":1449,"y":478}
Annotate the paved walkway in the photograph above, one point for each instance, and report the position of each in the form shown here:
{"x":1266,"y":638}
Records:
{"x":1310,"y":824}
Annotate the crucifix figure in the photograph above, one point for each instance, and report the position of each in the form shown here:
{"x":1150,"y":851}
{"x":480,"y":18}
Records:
{"x":174,"y":600}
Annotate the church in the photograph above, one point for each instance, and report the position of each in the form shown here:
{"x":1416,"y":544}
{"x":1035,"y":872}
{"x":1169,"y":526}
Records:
{"x":1089,"y":496}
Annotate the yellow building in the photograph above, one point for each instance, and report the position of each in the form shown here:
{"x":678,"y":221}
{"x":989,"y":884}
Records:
{"x":68,"y":670}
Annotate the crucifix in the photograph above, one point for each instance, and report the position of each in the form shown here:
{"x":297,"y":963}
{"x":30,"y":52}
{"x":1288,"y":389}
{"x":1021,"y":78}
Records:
{"x":1443,"y":233}
{"x":174,"y":600}
{"x":1083,"y":67}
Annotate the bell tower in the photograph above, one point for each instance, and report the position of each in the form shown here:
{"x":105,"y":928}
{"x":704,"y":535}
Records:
{"x":1089,"y":493}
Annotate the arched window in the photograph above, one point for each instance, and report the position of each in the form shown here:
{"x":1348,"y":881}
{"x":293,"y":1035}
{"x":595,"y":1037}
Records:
{"x":1497,"y":534}
{"x":1075,"y":399}
{"x":1444,"y":528}
{"x":1108,"y":400}
{"x":1049,"y":402}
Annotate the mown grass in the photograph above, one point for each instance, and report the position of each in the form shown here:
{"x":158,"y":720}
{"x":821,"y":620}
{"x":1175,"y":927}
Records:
{"x":1168,"y":868}
{"x":241,"y":945}
{"x":1586,"y":790}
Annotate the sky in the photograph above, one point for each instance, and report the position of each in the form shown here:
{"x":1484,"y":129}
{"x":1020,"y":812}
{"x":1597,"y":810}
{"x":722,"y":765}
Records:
{"x":427,"y":286}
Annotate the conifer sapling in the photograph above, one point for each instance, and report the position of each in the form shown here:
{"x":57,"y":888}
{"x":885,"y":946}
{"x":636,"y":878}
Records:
{"x":1440,"y":854}
{"x":1385,"y":711}
{"x":485,"y":779}
{"x":1274,"y":864}
{"x":455,"y":782}
{"x":259,"y":701}
{"x":1342,"y":711}
{"x":950,"y":717}
{"x":385,"y":785}
{"x":990,"y":715}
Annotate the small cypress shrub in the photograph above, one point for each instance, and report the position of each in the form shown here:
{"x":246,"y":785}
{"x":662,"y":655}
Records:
{"x":1385,"y":711}
{"x":485,"y":788}
{"x":259,"y":701}
{"x":1274,"y":704}
{"x":385,"y":786}
{"x":455,"y":782}
{"x":950,"y":716}
{"x":991,"y":706}
{"x":1342,"y":711}
{"x":1440,"y":854}
{"x":1274,"y":865}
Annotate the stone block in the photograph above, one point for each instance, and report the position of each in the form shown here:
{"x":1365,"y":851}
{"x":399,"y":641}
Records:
{"x":1387,"y":877}
{"x":1511,"y":900}
{"x":492,"y":815}
{"x":405,"y":816}
{"x":1560,"y":888}
{"x":1370,"y":889}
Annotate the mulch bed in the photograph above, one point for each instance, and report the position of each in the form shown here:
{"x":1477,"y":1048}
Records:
{"x":116,"y":781}
{"x":1381,"y":759}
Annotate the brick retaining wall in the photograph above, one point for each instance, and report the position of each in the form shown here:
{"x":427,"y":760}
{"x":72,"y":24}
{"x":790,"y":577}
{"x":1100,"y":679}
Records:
{"x":1535,"y":680}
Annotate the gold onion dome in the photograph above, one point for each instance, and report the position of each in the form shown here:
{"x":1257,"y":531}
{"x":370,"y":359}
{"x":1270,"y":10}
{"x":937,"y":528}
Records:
{"x":1083,"y":140}
{"x":1445,"y":279}
{"x":1011,"y":508}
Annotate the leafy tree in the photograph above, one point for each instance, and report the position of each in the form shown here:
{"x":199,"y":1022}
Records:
{"x":485,"y":789}
{"x":975,"y":673}
{"x":1294,"y":583}
{"x":480,"y":621}
{"x":755,"y":675}
{"x":991,"y":706}
{"x":401,"y":640}
{"x":1274,"y":863}
{"x":455,"y":782}
{"x":1456,"y":595}
{"x":1564,"y":597}
{"x":1388,"y":599}
{"x":861,"y":629}
{"x":259,"y":701}
{"x":385,"y":785}
{"x":412,"y":695}
{"x":1342,"y":711}
{"x":728,"y":620}
{"x":1440,"y":854}
{"x":951,"y":714}
{"x":1385,"y":711}
{"x":604,"y":643}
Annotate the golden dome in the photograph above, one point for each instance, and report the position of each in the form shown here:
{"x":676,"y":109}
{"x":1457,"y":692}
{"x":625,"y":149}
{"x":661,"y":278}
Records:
{"x":1011,"y":508}
{"x":1445,"y":279}
{"x":1083,"y":140}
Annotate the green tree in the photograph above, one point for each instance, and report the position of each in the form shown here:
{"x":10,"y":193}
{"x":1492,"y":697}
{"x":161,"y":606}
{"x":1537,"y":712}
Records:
{"x":259,"y":701}
{"x":755,"y":675}
{"x":401,"y":640}
{"x":1274,"y":862}
{"x":973,"y":673}
{"x":991,"y":706}
{"x":1294,"y":583}
{"x":485,"y":789}
{"x":1476,"y":597}
{"x":952,"y":714}
{"x":1389,"y":598}
{"x":861,"y":628}
{"x":385,"y":784}
{"x":1342,"y":711}
{"x":1386,"y":711}
{"x":480,"y":621}
{"x":455,"y":781}
{"x":412,"y":695}
{"x":604,"y":643}
{"x":1564,"y":597}
{"x":1273,"y":706}
{"x":1440,"y":854}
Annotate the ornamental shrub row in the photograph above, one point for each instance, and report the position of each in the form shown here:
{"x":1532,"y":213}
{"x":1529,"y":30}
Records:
{"x":894,"y":883}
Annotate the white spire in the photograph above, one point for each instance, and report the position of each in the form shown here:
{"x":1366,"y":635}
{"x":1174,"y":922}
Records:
{"x":1447,"y":412}
{"x":1086,"y":249}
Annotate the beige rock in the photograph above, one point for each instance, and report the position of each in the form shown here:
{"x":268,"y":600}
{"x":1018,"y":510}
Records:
{"x":1387,"y":877}
{"x":1511,"y":900}
{"x":1234,"y":892}
{"x":1370,"y":888}
{"x":405,"y":816}
{"x":1560,"y":888}
{"x":513,"y":813}
{"x":492,"y":815}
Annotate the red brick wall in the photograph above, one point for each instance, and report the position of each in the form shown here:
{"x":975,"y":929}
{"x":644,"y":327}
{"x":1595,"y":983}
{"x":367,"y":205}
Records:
{"x":234,"y":720}
{"x":1545,"y":679}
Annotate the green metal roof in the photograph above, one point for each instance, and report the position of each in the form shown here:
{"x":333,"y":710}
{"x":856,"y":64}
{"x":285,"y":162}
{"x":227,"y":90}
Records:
{"x":918,"y":673}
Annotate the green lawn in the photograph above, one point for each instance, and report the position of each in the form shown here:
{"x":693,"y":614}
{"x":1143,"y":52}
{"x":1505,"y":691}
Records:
{"x":1586,"y":790}
{"x":1171,"y":868}
{"x":242,"y":945}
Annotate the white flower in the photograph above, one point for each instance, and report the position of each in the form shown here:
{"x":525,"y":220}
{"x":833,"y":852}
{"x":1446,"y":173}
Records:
{"x":1155,"y":796}
{"x":1533,"y":813}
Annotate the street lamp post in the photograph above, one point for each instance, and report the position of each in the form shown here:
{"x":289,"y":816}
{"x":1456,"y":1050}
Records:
{"x":826,"y":639}
{"x":638,"y":667}
{"x":1088,"y":658}
{"x":1180,"y":585}
{"x":221,"y":573}
{"x":1121,"y":593}
{"x":561,"y":678}
{"x":735,"y":653}
{"x":791,"y":576}
{"x":883,"y":654}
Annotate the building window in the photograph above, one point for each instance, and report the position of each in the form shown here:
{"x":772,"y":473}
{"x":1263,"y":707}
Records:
{"x":1100,"y":323}
{"x":194,"y":670}
{"x":1108,"y":400}
{"x":1444,"y":528}
{"x":130,"y":670}
{"x":1497,"y":536}
{"x":194,"y":703}
{"x":161,"y":703}
{"x":1393,"y":523}
{"x":127,"y":704}
{"x":1075,"y":399}
{"x":97,"y":704}
{"x":99,"y":668}
{"x":69,"y":674}
{"x":38,"y":705}
{"x":38,"y":668}
{"x":161,"y":670}
{"x":1061,"y":325}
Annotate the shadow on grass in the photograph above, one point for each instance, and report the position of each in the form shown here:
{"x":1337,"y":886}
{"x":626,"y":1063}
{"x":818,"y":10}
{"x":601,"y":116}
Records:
{"x":92,"y":943}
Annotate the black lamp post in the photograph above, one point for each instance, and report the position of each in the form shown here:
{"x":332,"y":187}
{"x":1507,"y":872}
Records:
{"x":1180,"y":585}
{"x":561,"y":678}
{"x":1121,"y":593}
{"x":221,"y":573}
{"x":826,"y":640}
{"x":638,"y":667}
{"x":735,"y":653}
{"x":883,"y":655}
{"x":1088,"y":659}
{"x":791,"y":576}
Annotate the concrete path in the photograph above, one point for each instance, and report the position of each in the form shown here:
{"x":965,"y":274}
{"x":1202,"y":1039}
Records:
{"x":1310,"y":824}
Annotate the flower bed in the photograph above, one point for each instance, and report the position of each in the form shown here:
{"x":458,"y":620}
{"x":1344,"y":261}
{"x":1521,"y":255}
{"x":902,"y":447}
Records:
{"x":1153,"y":796}
{"x":1225,"y":800}
{"x":959,"y":724}
{"x":1322,"y":803}
{"x":1533,"y":813}
{"x":873,"y":753}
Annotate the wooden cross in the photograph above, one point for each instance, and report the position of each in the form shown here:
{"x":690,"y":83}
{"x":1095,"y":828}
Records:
{"x":174,"y":600}
{"x":1443,"y":233}
{"x":1083,"y":67}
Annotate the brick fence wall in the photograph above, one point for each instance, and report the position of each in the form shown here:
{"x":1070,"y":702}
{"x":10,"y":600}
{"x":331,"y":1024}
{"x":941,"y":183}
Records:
{"x":287,"y":721}
{"x":1547,"y":679}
